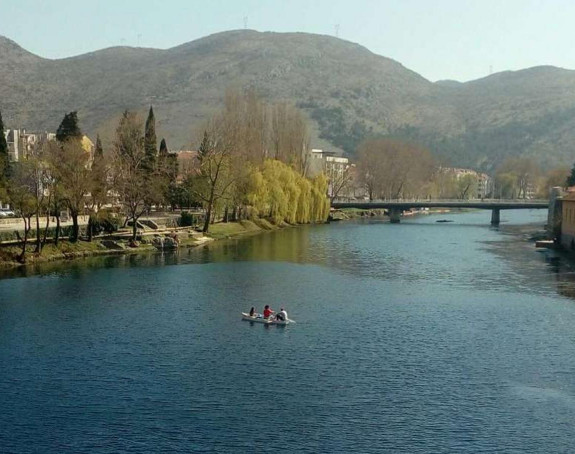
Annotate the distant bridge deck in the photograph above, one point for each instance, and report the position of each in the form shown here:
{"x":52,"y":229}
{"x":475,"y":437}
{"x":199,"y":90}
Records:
{"x":395,"y":207}
{"x":490,"y":204}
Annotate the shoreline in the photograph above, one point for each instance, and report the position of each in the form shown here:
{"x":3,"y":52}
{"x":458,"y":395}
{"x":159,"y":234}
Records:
{"x":68,"y":252}
{"x":75,"y":252}
{"x":71,"y":252}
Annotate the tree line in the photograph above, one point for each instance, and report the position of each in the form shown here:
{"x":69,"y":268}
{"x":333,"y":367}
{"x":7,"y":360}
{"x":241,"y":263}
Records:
{"x":250,"y":163}
{"x":394,"y":169}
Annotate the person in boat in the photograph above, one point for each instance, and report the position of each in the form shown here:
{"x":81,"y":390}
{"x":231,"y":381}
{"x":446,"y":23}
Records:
{"x":282,"y":315}
{"x":253,"y":312}
{"x":268,"y":311}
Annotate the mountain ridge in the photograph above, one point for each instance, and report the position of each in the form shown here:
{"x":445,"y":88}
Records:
{"x":347,"y":91}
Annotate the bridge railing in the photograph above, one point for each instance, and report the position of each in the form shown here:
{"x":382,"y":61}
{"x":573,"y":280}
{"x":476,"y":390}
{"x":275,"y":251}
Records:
{"x":418,"y":200}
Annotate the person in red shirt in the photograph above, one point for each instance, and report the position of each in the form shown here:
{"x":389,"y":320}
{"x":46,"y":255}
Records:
{"x":268,"y":311}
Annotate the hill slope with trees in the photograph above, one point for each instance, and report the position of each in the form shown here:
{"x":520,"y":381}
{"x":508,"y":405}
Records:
{"x":348,"y":93}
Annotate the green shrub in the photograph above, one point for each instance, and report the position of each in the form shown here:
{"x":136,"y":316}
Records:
{"x":187,"y":219}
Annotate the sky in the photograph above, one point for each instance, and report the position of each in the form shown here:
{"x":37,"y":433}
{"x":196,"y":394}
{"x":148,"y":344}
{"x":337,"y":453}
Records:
{"x":439,"y":39}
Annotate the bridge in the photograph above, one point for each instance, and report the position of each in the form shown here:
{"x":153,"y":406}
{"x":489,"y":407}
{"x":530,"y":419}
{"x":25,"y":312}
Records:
{"x":396,"y":207}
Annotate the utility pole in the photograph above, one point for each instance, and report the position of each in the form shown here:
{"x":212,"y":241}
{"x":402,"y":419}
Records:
{"x":245,"y":22}
{"x":336,"y":30}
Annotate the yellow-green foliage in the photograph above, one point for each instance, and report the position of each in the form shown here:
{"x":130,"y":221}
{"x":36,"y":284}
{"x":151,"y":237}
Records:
{"x":279,"y":192}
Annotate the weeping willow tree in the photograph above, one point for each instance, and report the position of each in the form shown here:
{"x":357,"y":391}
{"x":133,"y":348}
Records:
{"x":280,"y":193}
{"x":251,"y":163}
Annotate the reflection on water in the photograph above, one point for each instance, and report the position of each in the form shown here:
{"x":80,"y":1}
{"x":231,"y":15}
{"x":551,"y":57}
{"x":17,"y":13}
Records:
{"x":417,"y":250}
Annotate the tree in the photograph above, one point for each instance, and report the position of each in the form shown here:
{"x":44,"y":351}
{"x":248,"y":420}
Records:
{"x":444,"y":184}
{"x":571,"y":178}
{"x":289,"y":136}
{"x":163,"y":147}
{"x":466,"y":186}
{"x":21,"y":191}
{"x":73,"y":173}
{"x":69,"y":128}
{"x":4,"y":160}
{"x":214,"y":179}
{"x":339,"y":180}
{"x":166,"y":174}
{"x":39,"y":186}
{"x":554,"y":178}
{"x":371,"y":168}
{"x":150,"y":142}
{"x":518,"y":176}
{"x":131,"y":177}
{"x":98,"y":186}
{"x":393,"y":169}
{"x":52,"y":155}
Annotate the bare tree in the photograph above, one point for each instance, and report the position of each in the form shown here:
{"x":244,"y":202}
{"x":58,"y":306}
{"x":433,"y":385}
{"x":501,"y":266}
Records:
{"x":215,"y":178}
{"x":339,"y":180}
{"x":21,"y":190}
{"x":289,"y":136}
{"x":72,"y":168}
{"x":131,"y":179}
{"x":99,"y":187}
{"x":517,"y":177}
{"x":392,"y":169}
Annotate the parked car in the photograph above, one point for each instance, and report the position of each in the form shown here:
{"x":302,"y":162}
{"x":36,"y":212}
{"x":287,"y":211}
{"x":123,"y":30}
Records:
{"x":7,"y":213}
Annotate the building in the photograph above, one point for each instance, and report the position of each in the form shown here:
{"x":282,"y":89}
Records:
{"x":327,"y":162}
{"x":21,"y":143}
{"x":568,"y":221}
{"x":484,"y":186}
{"x":336,"y":168}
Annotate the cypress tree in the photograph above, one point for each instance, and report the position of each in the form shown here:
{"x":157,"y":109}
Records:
{"x":163,"y":147}
{"x":98,"y":150}
{"x":69,"y":128}
{"x":4,"y":161}
{"x":571,"y":179}
{"x":150,"y":142}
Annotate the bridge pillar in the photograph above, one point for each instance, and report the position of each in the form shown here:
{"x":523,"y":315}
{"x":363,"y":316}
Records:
{"x":394,"y":215}
{"x":495,"y":216}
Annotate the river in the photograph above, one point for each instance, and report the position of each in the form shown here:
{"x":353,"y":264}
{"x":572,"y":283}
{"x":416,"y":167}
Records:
{"x":411,"y":338}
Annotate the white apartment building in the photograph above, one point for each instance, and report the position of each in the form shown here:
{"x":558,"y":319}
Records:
{"x":333,"y":166}
{"x":21,"y":143}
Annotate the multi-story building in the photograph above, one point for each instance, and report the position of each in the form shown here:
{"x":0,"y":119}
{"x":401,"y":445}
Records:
{"x":336,"y":168}
{"x":21,"y":143}
{"x":484,"y":186}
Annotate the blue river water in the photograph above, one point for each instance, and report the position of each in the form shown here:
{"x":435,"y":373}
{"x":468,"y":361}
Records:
{"x":421,"y":337}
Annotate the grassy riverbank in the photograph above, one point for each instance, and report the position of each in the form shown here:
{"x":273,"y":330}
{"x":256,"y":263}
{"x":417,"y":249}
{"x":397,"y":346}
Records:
{"x":188,"y":238}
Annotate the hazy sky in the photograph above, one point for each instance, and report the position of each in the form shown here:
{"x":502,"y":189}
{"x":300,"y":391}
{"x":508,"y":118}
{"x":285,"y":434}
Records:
{"x":440,"y":39}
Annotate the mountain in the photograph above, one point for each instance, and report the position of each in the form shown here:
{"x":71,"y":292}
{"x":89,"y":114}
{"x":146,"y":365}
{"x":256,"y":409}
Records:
{"x":348,"y":93}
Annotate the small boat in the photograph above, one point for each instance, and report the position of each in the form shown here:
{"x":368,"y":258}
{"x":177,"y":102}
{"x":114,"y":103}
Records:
{"x":444,"y":220}
{"x":266,"y":321}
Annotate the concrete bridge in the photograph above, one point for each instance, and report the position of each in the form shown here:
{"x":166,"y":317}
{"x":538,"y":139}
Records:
{"x":396,"y":207}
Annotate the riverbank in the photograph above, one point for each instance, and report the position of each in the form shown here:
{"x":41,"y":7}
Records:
{"x":187,"y":238}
